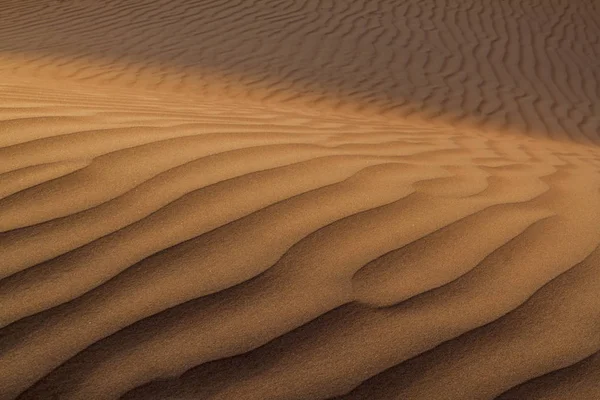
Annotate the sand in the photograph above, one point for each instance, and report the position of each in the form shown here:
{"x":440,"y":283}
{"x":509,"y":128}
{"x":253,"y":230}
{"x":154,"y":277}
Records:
{"x":300,"y":199}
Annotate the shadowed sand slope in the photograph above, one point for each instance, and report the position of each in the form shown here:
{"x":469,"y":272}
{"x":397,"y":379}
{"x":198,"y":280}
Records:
{"x":242,"y":200}
{"x":157,"y":248}
{"x":528,"y":66}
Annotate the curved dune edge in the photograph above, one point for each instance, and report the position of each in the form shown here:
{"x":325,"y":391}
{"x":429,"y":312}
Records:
{"x":153,"y":249}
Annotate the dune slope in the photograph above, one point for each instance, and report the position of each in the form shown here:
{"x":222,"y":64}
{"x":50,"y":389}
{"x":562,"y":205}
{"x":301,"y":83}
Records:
{"x":299,"y":199}
{"x":279,"y":255}
{"x":515,"y":65}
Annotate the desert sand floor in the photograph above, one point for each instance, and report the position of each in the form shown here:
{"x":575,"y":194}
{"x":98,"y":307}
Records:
{"x":300,"y":199}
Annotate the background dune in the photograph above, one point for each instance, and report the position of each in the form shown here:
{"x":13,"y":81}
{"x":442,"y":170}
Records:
{"x":299,"y":200}
{"x":528,"y":66}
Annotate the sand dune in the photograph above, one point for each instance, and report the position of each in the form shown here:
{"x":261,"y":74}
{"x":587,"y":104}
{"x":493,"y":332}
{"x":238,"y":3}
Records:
{"x":501,"y":65}
{"x":291,"y":259}
{"x":299,"y":200}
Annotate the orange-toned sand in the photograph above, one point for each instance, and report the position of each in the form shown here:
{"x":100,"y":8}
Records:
{"x":300,"y":199}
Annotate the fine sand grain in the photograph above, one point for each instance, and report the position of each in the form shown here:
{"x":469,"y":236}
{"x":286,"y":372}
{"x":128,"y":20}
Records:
{"x":300,"y":199}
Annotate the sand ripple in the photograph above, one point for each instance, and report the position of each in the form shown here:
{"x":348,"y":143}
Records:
{"x":220,"y":252}
{"x":299,"y":199}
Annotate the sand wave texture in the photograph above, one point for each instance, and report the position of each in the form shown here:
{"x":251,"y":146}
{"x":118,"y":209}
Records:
{"x":514,"y":65}
{"x":155,"y":249}
{"x":304,"y":199}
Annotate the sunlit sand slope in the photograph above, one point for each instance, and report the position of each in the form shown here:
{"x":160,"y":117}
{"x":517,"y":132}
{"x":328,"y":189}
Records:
{"x":157,"y":248}
{"x":300,"y":199}
{"x":517,"y":65}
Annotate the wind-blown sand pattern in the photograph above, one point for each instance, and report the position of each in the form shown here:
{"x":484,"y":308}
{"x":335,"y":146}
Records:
{"x":299,"y":200}
{"x":503,"y":65}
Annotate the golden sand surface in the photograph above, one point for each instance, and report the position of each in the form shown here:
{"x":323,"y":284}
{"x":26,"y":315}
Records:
{"x":300,"y":199}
